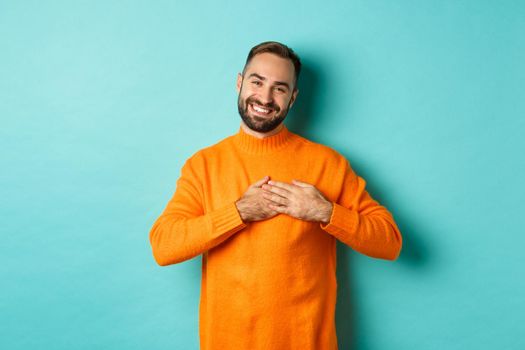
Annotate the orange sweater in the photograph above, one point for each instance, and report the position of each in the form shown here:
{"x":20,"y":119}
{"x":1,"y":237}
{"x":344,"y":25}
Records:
{"x":268,"y":284}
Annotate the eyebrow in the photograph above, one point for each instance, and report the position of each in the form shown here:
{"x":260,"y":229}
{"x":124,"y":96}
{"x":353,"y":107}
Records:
{"x":263,"y":78}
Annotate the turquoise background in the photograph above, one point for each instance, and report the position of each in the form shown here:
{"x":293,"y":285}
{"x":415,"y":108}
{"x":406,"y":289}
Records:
{"x":101,"y":102}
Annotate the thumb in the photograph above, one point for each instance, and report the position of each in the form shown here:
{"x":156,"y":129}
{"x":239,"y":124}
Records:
{"x":261,"y":181}
{"x":300,"y":183}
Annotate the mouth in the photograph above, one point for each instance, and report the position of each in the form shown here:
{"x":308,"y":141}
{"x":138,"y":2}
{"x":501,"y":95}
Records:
{"x":260,"y":110}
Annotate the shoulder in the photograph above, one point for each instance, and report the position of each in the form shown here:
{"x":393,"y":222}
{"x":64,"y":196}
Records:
{"x":200,"y":157}
{"x":320,"y":151}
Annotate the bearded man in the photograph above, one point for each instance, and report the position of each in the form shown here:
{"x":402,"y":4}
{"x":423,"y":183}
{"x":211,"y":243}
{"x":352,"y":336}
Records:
{"x":265,"y":207}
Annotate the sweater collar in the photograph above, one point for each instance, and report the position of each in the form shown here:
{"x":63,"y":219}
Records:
{"x":255,"y":145}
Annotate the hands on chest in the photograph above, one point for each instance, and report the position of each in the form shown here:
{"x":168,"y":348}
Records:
{"x":267,"y":198}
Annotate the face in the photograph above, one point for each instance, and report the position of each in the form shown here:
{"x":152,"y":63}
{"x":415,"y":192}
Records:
{"x":266,"y":91}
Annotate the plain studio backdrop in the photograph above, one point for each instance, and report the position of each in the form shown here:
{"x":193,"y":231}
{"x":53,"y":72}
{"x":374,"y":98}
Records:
{"x":101,"y":102}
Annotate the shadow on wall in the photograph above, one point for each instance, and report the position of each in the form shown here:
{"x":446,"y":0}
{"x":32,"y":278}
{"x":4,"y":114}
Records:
{"x":304,"y":109}
{"x":414,"y":254}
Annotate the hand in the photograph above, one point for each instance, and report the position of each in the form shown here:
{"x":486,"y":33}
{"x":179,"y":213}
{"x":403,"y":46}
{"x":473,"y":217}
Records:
{"x":252,"y":206}
{"x":299,"y":199}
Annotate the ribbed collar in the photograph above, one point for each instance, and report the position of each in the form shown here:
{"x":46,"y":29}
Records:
{"x":254,"y":145}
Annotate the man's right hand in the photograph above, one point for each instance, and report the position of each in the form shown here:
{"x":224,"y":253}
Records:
{"x":252,"y":206}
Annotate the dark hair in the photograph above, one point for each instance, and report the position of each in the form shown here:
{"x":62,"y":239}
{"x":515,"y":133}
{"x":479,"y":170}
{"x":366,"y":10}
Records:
{"x":278,"y":49}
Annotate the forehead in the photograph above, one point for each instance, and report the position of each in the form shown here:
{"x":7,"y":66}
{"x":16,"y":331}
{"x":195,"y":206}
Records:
{"x":271,"y":67}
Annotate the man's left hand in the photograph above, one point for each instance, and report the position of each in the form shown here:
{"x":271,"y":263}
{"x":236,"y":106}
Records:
{"x":298,"y":199}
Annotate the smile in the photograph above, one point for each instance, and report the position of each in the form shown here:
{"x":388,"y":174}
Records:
{"x":260,"y":110}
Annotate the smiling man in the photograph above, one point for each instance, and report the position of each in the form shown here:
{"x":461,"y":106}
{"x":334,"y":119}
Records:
{"x":264,"y":207}
{"x":264,"y":100}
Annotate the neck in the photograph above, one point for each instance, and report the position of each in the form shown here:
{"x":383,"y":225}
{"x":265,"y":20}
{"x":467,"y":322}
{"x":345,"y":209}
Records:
{"x":260,"y":135}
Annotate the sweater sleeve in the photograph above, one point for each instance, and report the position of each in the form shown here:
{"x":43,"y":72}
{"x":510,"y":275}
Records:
{"x":361,"y":223}
{"x":183,"y":230}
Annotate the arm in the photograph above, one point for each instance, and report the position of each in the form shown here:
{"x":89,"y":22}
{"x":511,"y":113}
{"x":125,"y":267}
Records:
{"x":183,"y":230}
{"x":361,"y":223}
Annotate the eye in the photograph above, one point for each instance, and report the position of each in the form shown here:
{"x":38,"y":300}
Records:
{"x":280,"y":89}
{"x":256,"y":82}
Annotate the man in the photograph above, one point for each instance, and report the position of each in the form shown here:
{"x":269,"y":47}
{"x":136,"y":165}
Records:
{"x":264,"y":207}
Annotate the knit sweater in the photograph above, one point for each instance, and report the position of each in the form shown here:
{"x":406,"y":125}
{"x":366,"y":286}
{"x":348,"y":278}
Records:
{"x":268,"y":284}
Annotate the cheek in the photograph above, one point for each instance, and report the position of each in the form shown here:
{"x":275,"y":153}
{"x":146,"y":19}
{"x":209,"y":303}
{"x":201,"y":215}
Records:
{"x":284,"y":102}
{"x":243,"y":97}
{"x":246,"y":94}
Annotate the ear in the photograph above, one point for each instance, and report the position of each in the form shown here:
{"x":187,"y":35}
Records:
{"x":239,"y":82}
{"x":294,"y":96}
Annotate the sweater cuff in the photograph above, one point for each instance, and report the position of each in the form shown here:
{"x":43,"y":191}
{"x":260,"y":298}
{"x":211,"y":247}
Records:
{"x":226,"y":219}
{"x":342,"y":221}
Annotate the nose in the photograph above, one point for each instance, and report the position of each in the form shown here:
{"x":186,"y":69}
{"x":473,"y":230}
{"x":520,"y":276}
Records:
{"x":266,"y":95}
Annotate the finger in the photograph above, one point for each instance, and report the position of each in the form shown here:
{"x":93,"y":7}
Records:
{"x":261,"y":182}
{"x":277,"y":190}
{"x":282,"y":185}
{"x":300,"y":183}
{"x":278,"y":208}
{"x":275,"y":198}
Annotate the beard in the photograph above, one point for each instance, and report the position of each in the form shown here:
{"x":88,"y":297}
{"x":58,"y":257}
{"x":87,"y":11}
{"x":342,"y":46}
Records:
{"x":261,"y":124}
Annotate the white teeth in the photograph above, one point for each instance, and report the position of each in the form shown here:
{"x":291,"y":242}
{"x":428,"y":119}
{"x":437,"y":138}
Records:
{"x":260,"y":110}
